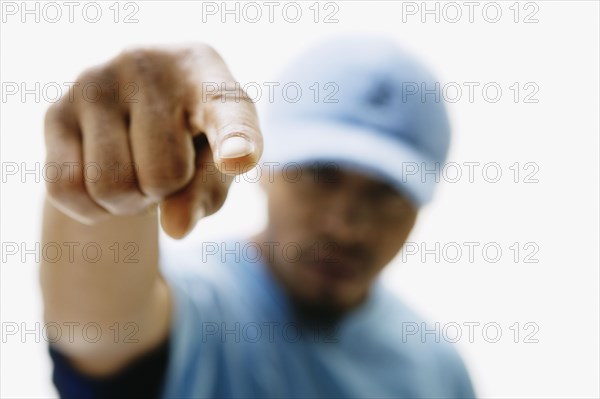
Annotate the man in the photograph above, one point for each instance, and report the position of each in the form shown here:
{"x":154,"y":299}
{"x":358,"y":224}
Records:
{"x":251,"y":318}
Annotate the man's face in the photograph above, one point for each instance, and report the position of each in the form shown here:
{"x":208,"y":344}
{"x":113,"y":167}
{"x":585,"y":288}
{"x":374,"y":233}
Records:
{"x":336,"y":230}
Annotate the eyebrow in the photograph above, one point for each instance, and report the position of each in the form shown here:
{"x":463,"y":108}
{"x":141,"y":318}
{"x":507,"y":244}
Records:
{"x":381,"y":186}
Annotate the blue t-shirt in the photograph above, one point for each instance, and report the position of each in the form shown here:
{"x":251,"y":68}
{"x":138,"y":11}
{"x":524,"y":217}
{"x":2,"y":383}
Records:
{"x":233,"y":334}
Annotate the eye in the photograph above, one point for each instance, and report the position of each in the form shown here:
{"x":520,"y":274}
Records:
{"x":327,"y":175}
{"x":381,"y":192}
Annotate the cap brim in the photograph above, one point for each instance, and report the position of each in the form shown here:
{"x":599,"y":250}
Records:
{"x":353,"y":147}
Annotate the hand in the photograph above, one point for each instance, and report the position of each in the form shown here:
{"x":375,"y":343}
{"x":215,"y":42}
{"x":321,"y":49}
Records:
{"x":151,"y":127}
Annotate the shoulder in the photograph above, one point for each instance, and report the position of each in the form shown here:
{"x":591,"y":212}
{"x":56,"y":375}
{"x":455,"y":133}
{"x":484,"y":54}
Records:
{"x":424,"y":344}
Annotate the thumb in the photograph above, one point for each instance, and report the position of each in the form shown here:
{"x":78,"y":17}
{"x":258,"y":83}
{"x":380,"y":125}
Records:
{"x":233,"y":133}
{"x":223,"y":111}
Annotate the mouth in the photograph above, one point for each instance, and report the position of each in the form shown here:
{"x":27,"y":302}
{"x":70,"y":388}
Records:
{"x":334,"y":269}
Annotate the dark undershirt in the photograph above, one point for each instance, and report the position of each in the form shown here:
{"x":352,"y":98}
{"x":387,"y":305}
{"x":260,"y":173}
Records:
{"x":143,"y":378}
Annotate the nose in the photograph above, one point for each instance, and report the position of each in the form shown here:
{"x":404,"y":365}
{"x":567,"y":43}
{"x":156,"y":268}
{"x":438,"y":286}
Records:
{"x":343,"y":218}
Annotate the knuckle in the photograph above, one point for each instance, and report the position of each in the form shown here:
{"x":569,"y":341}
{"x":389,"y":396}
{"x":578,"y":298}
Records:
{"x":205,"y":47}
{"x":106,"y":190}
{"x":52,"y":113}
{"x":201,"y":50}
{"x":98,"y":85}
{"x":167,"y":178}
{"x":97,"y":74}
{"x":51,"y":119}
{"x":157,"y":189}
{"x":143,"y":64}
{"x":178,"y":171}
{"x":134,"y":58}
{"x":65,"y":188}
{"x":58,"y":115}
{"x":139,"y":55}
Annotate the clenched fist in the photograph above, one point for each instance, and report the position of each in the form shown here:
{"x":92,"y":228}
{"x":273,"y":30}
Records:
{"x":155,"y":126}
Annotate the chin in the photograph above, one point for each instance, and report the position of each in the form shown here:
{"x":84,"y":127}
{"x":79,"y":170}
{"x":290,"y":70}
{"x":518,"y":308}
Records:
{"x":318,"y":312}
{"x":327,"y":303}
{"x":317,"y":297}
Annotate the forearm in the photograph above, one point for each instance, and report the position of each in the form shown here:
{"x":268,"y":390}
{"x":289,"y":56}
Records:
{"x":114,"y":282}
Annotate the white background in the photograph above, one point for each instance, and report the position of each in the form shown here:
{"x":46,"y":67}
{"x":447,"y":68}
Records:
{"x":559,"y":133}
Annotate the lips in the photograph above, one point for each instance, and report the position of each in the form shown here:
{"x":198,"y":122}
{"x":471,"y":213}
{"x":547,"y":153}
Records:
{"x":337,"y":269}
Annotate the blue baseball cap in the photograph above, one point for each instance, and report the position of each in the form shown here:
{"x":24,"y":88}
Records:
{"x":363,"y":104}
